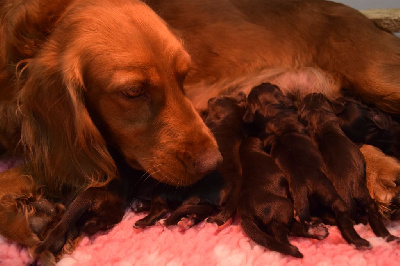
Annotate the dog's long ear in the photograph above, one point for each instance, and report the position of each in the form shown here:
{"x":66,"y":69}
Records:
{"x":65,"y":147}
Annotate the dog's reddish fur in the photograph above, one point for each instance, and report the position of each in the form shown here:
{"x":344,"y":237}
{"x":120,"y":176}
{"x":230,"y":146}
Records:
{"x":98,"y":74}
{"x":308,"y":45}
{"x":87,"y":74}
{"x":80,"y":76}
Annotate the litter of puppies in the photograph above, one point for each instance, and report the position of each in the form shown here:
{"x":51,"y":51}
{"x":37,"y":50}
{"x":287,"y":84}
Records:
{"x":290,"y":166}
{"x":297,"y":168}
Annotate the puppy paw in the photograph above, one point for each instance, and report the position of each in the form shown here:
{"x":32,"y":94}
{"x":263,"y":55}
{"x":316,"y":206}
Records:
{"x":222,"y":217}
{"x":317,"y":231}
{"x":391,"y":238}
{"x":297,"y":253}
{"x":216,"y":219}
{"x":189,"y":221}
{"x":142,"y":223}
{"x":362,"y":244}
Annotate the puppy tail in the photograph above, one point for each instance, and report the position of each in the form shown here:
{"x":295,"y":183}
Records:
{"x":251,"y":228}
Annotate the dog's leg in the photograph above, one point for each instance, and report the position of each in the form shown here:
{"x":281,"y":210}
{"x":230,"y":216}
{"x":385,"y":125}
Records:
{"x":301,"y":203}
{"x":227,"y":210}
{"x":279,"y":231}
{"x":344,"y":222}
{"x":196,"y":212}
{"x":159,"y":208}
{"x":330,"y":198}
{"x":192,"y":206}
{"x":374,"y":217}
{"x":251,"y":228}
{"x":56,"y":238}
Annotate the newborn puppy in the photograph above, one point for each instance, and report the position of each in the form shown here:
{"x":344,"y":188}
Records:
{"x":383,"y":179}
{"x":225,"y":120}
{"x":276,"y":120}
{"x":24,"y":215}
{"x":92,"y":210}
{"x":345,"y":164}
{"x":265,"y":211}
{"x":366,"y":125}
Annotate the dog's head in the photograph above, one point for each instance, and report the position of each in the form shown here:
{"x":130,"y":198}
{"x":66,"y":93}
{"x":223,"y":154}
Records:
{"x":111,"y":74}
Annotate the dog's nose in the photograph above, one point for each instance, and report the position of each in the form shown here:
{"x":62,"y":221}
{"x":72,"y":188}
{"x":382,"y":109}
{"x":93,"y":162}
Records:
{"x":207,"y":162}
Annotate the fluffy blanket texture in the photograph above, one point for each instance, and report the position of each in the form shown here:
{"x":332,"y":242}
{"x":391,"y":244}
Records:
{"x":205,"y":244}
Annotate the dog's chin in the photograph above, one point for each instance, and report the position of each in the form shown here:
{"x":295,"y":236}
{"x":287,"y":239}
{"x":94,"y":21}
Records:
{"x":172,"y":172}
{"x":176,"y":179}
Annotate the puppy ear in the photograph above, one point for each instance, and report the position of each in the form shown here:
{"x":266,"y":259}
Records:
{"x":66,"y":149}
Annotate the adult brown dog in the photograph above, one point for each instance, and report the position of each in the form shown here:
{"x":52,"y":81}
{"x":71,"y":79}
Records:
{"x":94,"y":74}
{"x":85,"y":75}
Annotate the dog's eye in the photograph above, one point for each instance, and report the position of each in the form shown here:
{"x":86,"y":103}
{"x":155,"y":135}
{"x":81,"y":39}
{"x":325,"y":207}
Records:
{"x":133,"y":92}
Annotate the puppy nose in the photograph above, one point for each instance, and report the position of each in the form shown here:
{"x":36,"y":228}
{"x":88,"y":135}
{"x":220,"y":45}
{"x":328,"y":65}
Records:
{"x":207,"y":162}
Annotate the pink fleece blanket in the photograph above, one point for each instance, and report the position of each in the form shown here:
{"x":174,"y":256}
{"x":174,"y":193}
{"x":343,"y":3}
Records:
{"x":204,"y":244}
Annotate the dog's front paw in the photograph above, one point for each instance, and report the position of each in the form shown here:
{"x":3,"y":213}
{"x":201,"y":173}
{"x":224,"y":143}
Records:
{"x":54,"y":241}
{"x":217,"y":219}
{"x":383,"y":177}
{"x":143,"y":223}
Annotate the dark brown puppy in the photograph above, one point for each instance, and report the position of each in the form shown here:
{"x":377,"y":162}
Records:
{"x":92,"y":210}
{"x":68,"y":95}
{"x":96,"y":208}
{"x":344,"y":162}
{"x":266,"y":213}
{"x":224,"y":118}
{"x":276,"y":120}
{"x":368,"y":125}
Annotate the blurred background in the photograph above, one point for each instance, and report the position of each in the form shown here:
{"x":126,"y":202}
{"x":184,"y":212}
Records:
{"x":369,"y":4}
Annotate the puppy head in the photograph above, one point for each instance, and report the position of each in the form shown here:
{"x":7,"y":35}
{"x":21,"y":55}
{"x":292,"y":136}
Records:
{"x":315,"y":109}
{"x":361,"y":123}
{"x":111,"y":75}
{"x":231,"y":107}
{"x":264,"y":101}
